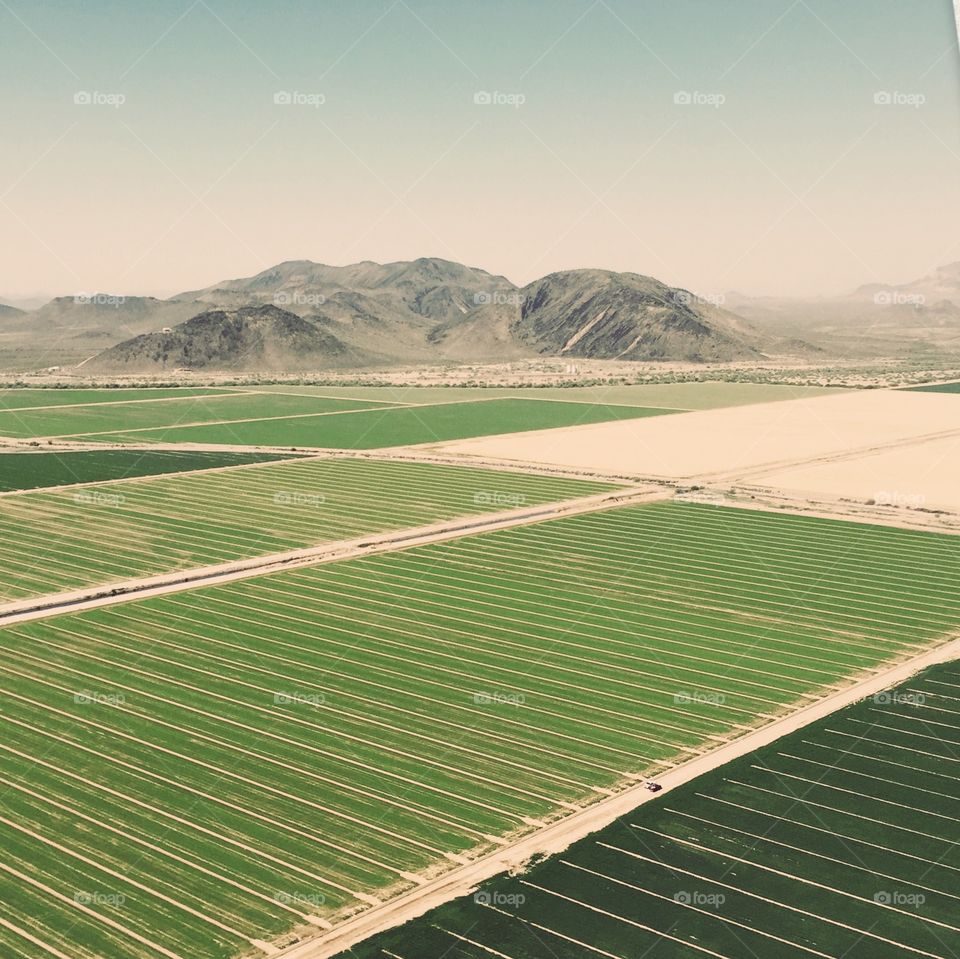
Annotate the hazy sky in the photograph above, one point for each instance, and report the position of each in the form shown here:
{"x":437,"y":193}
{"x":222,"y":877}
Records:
{"x":819,"y":149}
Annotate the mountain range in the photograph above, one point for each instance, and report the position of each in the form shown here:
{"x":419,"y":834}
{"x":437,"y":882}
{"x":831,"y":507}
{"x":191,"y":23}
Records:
{"x":921,"y":317}
{"x":304,"y":315}
{"x":301,"y":315}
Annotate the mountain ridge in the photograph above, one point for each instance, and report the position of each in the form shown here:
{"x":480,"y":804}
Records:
{"x":436,"y":311}
{"x":432,"y":310}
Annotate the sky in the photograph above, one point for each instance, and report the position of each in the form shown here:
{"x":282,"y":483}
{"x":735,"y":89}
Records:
{"x":775,"y":147}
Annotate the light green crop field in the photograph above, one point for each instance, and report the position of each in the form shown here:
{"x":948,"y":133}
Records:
{"x":399,"y":425}
{"x":72,"y":538}
{"x":842,"y":839}
{"x":14,"y":398}
{"x":217,"y":766}
{"x":674,"y":396}
{"x":88,"y":421}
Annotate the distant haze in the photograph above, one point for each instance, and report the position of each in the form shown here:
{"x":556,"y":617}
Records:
{"x":769,"y":146}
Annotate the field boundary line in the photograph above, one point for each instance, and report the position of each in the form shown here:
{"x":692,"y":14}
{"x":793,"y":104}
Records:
{"x":739,"y":475}
{"x":179,"y":426}
{"x":421,"y":453}
{"x":486,"y":399}
{"x":413,"y":454}
{"x":557,"y":836}
{"x":146,"y":399}
{"x":835,"y":507}
{"x":140,"y":588}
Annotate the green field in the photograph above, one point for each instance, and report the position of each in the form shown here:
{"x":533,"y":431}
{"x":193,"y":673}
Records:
{"x":399,"y":426}
{"x":938,"y":388}
{"x":675,"y":396}
{"x":841,"y":840}
{"x":72,"y":538}
{"x":15,"y":399}
{"x":90,"y":421}
{"x":40,"y":468}
{"x":217,"y":765}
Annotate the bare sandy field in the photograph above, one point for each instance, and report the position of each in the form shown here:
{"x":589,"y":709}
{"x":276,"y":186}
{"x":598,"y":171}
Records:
{"x":737,"y":443}
{"x":924,"y":475}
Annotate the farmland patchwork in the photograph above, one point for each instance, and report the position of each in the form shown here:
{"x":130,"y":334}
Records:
{"x":191,"y":774}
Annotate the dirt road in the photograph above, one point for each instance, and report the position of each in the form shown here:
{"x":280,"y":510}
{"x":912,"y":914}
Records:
{"x":38,"y":607}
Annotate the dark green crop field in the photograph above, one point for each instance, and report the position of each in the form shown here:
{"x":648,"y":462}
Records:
{"x":841,"y":840}
{"x":939,"y":388}
{"x":203,"y":770}
{"x":39,"y":469}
